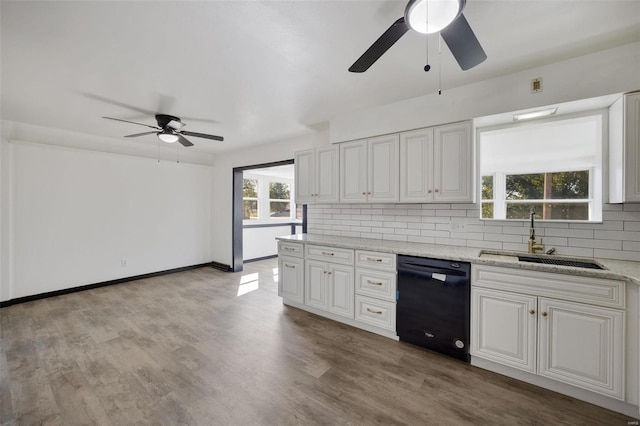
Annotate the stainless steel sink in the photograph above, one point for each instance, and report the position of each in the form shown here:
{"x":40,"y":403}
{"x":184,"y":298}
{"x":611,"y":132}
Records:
{"x":589,"y":264}
{"x":544,"y":259}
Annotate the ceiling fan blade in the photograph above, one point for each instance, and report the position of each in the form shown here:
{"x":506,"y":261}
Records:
{"x":177,"y":125}
{"x":463,"y":43}
{"x":135,"y":135}
{"x":132,"y":122}
{"x":184,"y":141}
{"x":203,"y":135}
{"x":381,"y":45}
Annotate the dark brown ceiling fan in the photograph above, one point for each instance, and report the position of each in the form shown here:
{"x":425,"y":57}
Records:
{"x":169,"y":130}
{"x":427,"y":17}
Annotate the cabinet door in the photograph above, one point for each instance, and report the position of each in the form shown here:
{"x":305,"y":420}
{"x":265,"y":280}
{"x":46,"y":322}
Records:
{"x":632,"y":143}
{"x":582,"y":345}
{"x":327,"y":175}
{"x":315,"y":287}
{"x":341,"y":290}
{"x":416,"y":166}
{"x":305,"y":172}
{"x":453,"y":168}
{"x":503,"y":328}
{"x":353,"y":171}
{"x":382,"y":167}
{"x":291,"y":278}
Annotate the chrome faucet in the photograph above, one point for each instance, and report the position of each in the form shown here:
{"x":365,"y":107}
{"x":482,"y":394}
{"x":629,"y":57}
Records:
{"x":533,"y":246}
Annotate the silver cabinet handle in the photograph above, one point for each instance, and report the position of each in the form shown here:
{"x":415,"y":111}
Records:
{"x":327,"y":253}
{"x":286,"y":265}
{"x":374,"y":312}
{"x":289,"y":249}
{"x":373,"y":282}
{"x":371,"y":259}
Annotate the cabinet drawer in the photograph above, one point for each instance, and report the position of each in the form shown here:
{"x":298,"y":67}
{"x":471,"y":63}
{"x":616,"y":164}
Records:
{"x":329,"y":254}
{"x":374,"y":260}
{"x":290,"y":249}
{"x":575,"y":288}
{"x":376,"y":284}
{"x":376,"y":312}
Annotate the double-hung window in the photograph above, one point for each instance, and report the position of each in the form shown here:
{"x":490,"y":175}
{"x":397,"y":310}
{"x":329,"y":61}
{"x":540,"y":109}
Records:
{"x":267,"y":198}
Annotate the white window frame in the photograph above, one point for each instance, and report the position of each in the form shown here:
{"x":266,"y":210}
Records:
{"x":257,"y":199}
{"x":264,"y":206}
{"x":502,"y":201}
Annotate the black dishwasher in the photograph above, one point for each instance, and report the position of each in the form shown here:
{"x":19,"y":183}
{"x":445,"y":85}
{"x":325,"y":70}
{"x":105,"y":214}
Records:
{"x":433,"y":304}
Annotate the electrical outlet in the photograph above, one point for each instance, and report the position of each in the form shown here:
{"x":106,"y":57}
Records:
{"x":456,"y":227}
{"x":536,"y":85}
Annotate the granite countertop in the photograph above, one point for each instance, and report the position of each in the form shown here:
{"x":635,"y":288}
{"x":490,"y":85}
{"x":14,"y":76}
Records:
{"x":616,"y":269}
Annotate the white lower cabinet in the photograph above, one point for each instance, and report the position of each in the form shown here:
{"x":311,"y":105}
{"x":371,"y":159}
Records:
{"x":376,"y":312}
{"x":291,"y":278}
{"x":580,"y":344}
{"x":329,"y":287}
{"x":376,"y":289}
{"x":503,"y":328}
{"x":355,"y":287}
{"x":291,"y":271}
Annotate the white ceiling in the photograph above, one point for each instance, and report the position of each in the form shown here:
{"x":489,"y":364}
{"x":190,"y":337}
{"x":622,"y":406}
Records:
{"x":261,"y":71}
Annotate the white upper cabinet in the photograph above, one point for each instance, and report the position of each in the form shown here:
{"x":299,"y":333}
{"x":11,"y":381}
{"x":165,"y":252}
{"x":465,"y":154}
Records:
{"x":624,"y":149}
{"x":453,"y":166}
{"x":436,"y":164}
{"x":353,"y":171}
{"x":632,"y":139}
{"x":369,"y":170}
{"x":416,"y":166}
{"x":316,"y":175}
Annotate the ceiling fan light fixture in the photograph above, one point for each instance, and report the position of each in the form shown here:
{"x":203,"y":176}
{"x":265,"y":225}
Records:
{"x":431,"y":16}
{"x":168,"y":137}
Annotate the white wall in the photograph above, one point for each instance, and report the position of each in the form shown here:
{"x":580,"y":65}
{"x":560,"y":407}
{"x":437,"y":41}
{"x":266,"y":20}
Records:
{"x":223,"y":178}
{"x":261,"y":242}
{"x":602,"y":73}
{"x":77,"y":216}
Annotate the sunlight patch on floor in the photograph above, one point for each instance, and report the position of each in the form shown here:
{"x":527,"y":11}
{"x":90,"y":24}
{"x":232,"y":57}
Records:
{"x":248,"y":283}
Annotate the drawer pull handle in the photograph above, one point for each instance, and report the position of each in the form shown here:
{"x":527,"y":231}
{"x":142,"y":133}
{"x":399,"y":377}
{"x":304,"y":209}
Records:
{"x":286,"y":265}
{"x":327,"y":253}
{"x":374,"y":312}
{"x":372,"y":259}
{"x":531,"y":311}
{"x":289,"y":249}
{"x":373,"y":282}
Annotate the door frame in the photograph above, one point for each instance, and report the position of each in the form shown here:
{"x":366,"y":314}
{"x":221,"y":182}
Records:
{"x":236,"y":226}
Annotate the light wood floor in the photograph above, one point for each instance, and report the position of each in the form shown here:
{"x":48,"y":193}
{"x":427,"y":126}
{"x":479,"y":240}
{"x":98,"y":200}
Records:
{"x":186,"y":348}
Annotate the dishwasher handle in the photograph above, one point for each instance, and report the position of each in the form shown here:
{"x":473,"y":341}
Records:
{"x":428,"y":271}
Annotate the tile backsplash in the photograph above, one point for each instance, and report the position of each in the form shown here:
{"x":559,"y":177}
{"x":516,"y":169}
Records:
{"x":617,"y":237}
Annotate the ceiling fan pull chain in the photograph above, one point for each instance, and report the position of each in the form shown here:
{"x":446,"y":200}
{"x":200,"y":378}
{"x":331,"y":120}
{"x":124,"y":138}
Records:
{"x":427,"y":67}
{"x":439,"y":65}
